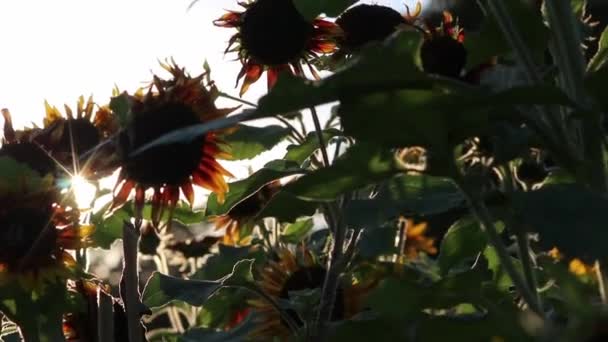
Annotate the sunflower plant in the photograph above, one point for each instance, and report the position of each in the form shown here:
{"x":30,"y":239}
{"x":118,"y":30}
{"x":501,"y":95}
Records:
{"x":443,"y":177}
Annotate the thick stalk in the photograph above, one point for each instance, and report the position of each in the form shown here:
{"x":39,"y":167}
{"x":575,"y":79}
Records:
{"x":319,"y":131}
{"x":130,"y":280}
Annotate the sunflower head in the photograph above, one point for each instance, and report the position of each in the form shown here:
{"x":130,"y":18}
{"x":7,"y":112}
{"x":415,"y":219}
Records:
{"x":35,"y":230}
{"x":240,"y":220}
{"x":297,"y":272}
{"x":443,"y":51}
{"x":165,"y":106}
{"x":67,"y":137}
{"x":272,"y":35}
{"x":19,"y":146}
{"x":365,"y":23}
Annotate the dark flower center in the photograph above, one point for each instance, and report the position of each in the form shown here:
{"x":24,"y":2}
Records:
{"x":30,"y":155}
{"x":170,"y":164}
{"x":81,"y":132}
{"x":366,"y":23}
{"x":444,"y":56}
{"x":273,"y":32}
{"x":23,"y":233}
{"x":309,"y":278}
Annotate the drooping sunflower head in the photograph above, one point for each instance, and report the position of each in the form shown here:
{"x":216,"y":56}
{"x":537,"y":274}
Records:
{"x":443,"y":51}
{"x":240,"y":220}
{"x":166,"y":106}
{"x":35,"y":230}
{"x":272,"y":35}
{"x":67,"y":137}
{"x":293,"y":272}
{"x":365,"y":23}
{"x":19,"y":146}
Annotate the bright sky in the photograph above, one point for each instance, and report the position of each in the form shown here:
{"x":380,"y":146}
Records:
{"x":61,"y":49}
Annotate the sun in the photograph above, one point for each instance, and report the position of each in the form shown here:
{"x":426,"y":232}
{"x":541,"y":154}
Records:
{"x":84,"y":192}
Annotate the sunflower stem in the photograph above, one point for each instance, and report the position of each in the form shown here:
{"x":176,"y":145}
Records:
{"x":172,"y":312}
{"x":130,"y":281}
{"x":319,"y":131}
{"x":480,"y":211}
{"x":236,"y":99}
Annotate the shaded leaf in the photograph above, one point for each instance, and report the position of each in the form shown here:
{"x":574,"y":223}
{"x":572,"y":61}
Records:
{"x":238,"y":333}
{"x":299,"y":153}
{"x":242,"y":274}
{"x":463,"y":241}
{"x":247,"y":142}
{"x":567,"y":216}
{"x":222,"y":264}
{"x":361,"y":165}
{"x":296,"y":232}
{"x":310,"y":9}
{"x":490,"y":41}
{"x":601,"y":56}
{"x":286,"y":207}
{"x":161,"y":289}
{"x":242,"y":189}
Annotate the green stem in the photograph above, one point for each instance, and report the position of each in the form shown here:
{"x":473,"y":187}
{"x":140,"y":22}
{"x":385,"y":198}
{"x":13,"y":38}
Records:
{"x":237,"y":99}
{"x":130,"y":279}
{"x":487,"y":224}
{"x":319,"y":132}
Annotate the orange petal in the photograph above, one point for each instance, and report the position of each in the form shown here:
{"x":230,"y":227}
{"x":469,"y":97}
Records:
{"x":253,"y":72}
{"x":9,"y":131}
{"x":123,"y":194}
{"x":140,"y":198}
{"x":188,"y":192}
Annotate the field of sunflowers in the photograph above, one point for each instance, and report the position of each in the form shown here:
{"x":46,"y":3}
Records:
{"x":456,"y":190}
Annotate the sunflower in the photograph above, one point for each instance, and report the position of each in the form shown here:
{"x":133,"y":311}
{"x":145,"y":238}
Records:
{"x":416,"y":240}
{"x":274,"y":37}
{"x":240,"y":220}
{"x":35,"y":230}
{"x":443,"y":50}
{"x":19,"y":146}
{"x":67,"y":138}
{"x":366,"y":23}
{"x":290,"y":273}
{"x":165,"y":106}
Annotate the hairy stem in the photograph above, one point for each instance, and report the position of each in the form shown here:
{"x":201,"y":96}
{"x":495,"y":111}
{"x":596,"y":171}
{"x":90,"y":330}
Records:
{"x":130,"y":280}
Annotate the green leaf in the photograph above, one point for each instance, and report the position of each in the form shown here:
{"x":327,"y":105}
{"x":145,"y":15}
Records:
{"x":38,"y":311}
{"x":377,"y":241}
{"x":249,"y":141}
{"x":500,"y":276}
{"x":361,"y":165}
{"x":474,"y":327}
{"x":568,"y":217}
{"x":390,"y":64}
{"x":121,"y":107}
{"x":601,"y":56}
{"x":360,"y":330}
{"x":296,"y":232}
{"x":413,"y":297}
{"x":419,"y":195}
{"x":220,"y":265}
{"x":286,"y":207}
{"x":161,"y":289}
{"x":242,"y":189}
{"x":242,"y":274}
{"x":299,"y":153}
{"x":109,"y":228}
{"x":238,"y":333}
{"x":490,"y":41}
{"x":310,"y":9}
{"x":463,"y":241}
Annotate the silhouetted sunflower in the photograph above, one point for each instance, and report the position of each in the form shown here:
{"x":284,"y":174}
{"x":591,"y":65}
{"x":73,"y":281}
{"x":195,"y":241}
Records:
{"x":366,"y":23}
{"x":443,"y":51}
{"x":240,"y":220}
{"x":19,"y":146}
{"x":169,"y":105}
{"x":274,"y":37}
{"x":35,"y":231}
{"x":290,"y":273}
{"x":68,"y":137}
